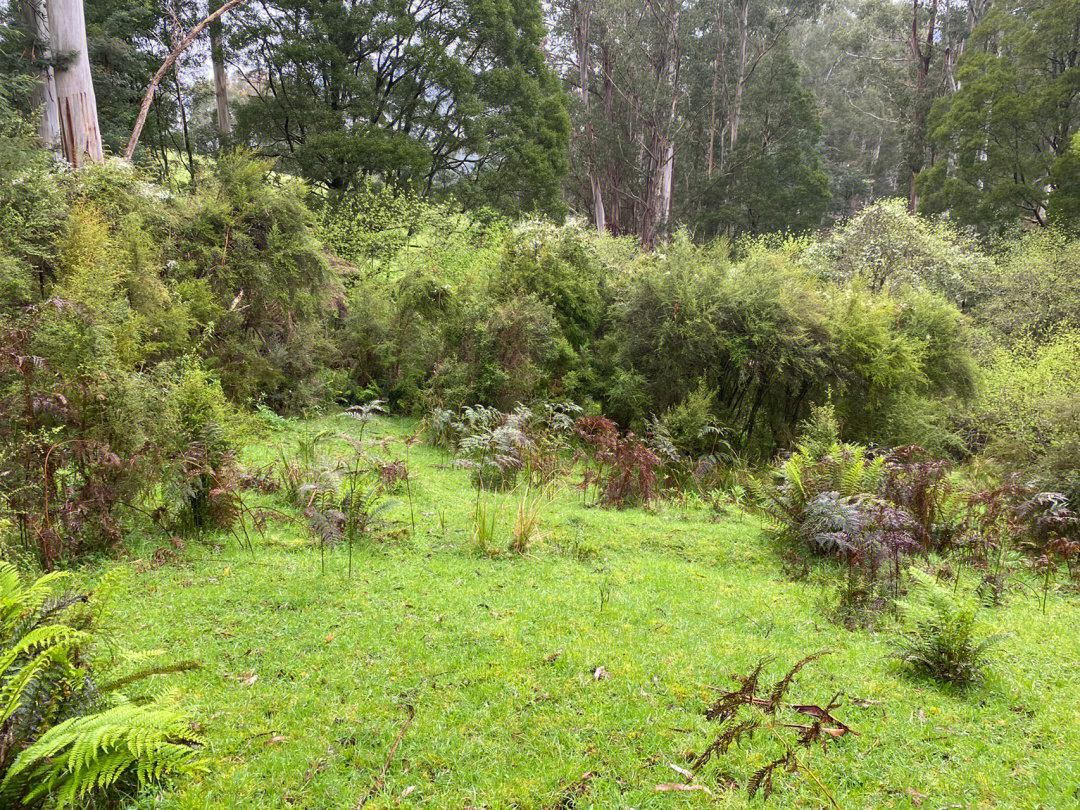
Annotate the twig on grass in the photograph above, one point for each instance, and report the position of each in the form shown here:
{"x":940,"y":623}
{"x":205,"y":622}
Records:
{"x":378,"y":784}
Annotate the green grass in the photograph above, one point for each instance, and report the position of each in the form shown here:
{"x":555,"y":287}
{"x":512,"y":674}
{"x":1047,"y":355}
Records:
{"x":497,"y":657}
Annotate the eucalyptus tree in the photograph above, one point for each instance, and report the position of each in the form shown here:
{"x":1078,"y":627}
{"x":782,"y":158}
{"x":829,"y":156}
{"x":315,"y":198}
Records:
{"x":660,"y":90}
{"x":436,"y":94}
{"x":1004,"y":137}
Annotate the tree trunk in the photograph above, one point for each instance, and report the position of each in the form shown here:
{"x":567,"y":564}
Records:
{"x":148,"y":97}
{"x":743,"y":31}
{"x":661,"y":149}
{"x":44,"y":97}
{"x":921,"y":55}
{"x":221,"y":77}
{"x":581,"y":14}
{"x":613,"y":210}
{"x":710,"y":154}
{"x":80,"y":137}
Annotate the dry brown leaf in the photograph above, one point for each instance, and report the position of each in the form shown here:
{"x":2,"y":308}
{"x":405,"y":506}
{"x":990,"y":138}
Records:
{"x":663,"y":786}
{"x":916,"y":797}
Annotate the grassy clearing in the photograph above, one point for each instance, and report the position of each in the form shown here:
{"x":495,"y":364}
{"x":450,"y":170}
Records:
{"x":305,"y":678}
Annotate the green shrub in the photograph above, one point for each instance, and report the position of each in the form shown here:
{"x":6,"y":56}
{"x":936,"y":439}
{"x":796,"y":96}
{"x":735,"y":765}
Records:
{"x":903,"y":367}
{"x":195,"y":439}
{"x":1029,"y":411}
{"x":1033,"y":290}
{"x":251,"y":239}
{"x":789,"y":493}
{"x":889,"y":249}
{"x":559,"y":266}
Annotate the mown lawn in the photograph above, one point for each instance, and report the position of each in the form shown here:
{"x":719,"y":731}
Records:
{"x":305,"y":678}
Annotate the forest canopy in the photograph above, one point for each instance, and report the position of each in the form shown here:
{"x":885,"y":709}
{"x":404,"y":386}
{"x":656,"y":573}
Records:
{"x":728,"y":118}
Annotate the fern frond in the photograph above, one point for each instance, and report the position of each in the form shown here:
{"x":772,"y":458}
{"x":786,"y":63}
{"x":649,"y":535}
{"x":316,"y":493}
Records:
{"x":92,"y":752}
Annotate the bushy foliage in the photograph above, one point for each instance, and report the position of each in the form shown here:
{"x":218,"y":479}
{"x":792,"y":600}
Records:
{"x":1028,"y":413}
{"x":888,"y":248}
{"x":247,"y":244}
{"x":143,"y":312}
{"x":813,"y":494}
{"x":1033,"y":291}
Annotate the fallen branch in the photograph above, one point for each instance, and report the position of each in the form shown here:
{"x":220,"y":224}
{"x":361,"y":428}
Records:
{"x":185,"y":43}
{"x":378,"y":784}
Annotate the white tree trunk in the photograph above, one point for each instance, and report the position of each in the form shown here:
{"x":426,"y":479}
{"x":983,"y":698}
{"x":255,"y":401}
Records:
{"x":44,"y":98}
{"x":80,"y":137}
{"x":221,"y":78}
{"x":661,"y":149}
{"x":581,"y":16}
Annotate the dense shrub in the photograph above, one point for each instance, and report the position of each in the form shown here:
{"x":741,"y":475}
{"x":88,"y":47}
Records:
{"x":1034,"y":290}
{"x":102,"y":394}
{"x":1028,"y":413}
{"x":887,"y":248}
{"x":248,"y":239}
{"x":756,"y":334}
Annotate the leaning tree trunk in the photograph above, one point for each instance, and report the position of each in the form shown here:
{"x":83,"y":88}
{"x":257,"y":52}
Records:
{"x":221,"y":78}
{"x":80,"y":138}
{"x":44,"y":97}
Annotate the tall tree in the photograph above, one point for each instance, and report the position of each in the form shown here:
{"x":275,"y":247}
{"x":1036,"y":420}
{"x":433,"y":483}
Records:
{"x":434,"y":93}
{"x":1011,"y":122}
{"x":854,"y":61}
{"x":663,"y":88}
{"x":581,"y":20}
{"x":80,"y":138}
{"x":38,"y":54}
{"x":221,"y":77}
{"x":774,"y":179}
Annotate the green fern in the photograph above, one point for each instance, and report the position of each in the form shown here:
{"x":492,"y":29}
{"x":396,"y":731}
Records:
{"x":38,"y":657}
{"x":84,"y":755}
{"x":60,"y":742}
{"x":941,"y":637}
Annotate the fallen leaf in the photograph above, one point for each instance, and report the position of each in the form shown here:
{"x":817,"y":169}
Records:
{"x":329,"y":637}
{"x":915,"y":796}
{"x":249,"y":678}
{"x":819,"y":713}
{"x":275,"y":740}
{"x":551,"y":658}
{"x":601,"y":674}
{"x":407,"y":791}
{"x":680,"y":786}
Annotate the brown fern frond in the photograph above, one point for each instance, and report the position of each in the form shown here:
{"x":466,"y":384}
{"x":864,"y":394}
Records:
{"x":781,"y":687}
